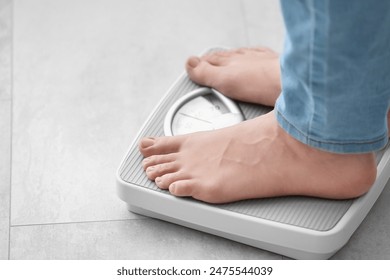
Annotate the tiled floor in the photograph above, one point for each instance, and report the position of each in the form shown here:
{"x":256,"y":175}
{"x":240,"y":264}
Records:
{"x":5,"y":124}
{"x":80,"y":70}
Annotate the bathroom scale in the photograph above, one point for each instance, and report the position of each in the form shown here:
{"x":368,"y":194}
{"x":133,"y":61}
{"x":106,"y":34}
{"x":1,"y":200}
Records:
{"x":294,"y":226}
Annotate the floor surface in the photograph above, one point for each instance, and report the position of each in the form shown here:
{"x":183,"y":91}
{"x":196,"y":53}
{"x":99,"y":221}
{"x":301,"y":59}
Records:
{"x":77,"y":80}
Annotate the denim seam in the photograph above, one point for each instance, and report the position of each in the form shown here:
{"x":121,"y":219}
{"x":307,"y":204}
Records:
{"x":311,"y":47}
{"x":326,"y":52}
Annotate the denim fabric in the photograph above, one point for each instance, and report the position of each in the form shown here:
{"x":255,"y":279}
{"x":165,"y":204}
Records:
{"x":336,"y":74}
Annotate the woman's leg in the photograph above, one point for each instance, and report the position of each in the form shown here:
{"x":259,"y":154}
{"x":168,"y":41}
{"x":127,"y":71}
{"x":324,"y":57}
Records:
{"x":336,"y":74}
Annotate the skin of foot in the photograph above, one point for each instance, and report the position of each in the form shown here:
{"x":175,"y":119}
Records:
{"x":246,"y":74}
{"x":253,"y":159}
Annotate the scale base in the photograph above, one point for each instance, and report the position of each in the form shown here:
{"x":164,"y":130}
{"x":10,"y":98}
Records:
{"x":293,"y":253}
{"x":297,"y":227}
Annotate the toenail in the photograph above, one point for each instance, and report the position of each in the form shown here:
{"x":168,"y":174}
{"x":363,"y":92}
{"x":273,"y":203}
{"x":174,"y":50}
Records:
{"x":172,"y":188}
{"x":147,"y":142}
{"x":149,"y":169}
{"x":193,"y":61}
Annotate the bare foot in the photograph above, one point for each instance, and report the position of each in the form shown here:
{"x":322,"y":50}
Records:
{"x":246,"y":74}
{"x":223,"y":166}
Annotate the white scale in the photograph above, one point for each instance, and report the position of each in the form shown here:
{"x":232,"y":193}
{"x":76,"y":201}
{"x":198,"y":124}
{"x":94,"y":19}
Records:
{"x":297,"y":227}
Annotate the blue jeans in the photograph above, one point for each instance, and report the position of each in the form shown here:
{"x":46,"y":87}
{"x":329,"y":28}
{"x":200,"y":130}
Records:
{"x":336,"y":74}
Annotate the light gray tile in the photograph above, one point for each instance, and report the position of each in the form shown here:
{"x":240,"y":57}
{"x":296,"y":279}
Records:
{"x":135,"y":239}
{"x":5,"y":154}
{"x":264,"y":23}
{"x":86,"y":75}
{"x":5,"y":122}
{"x":372,"y":239}
{"x":5,"y":48}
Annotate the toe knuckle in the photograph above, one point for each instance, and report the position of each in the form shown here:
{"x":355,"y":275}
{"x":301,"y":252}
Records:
{"x":168,"y":177}
{"x":162,"y":168}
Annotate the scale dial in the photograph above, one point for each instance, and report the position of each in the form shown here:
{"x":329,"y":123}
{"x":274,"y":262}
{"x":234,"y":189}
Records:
{"x":200,"y":110}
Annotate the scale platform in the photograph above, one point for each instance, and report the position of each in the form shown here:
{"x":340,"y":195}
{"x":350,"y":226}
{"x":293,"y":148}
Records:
{"x":297,"y":227}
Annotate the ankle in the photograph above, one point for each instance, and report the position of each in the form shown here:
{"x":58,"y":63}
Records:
{"x":335,"y":176}
{"x":364,"y":176}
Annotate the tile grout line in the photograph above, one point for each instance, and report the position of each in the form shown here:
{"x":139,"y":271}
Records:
{"x":11,"y":120}
{"x":81,"y":222}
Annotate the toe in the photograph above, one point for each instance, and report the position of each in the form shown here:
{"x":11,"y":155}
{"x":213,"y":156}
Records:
{"x":146,"y":142}
{"x":203,"y":73}
{"x":161,"y":169}
{"x":167,"y":179}
{"x":158,"y":159}
{"x":159,"y":146}
{"x":182,"y":188}
{"x":193,"y":61}
{"x":243,"y":50}
{"x":218,"y":58}
{"x":190,"y":187}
